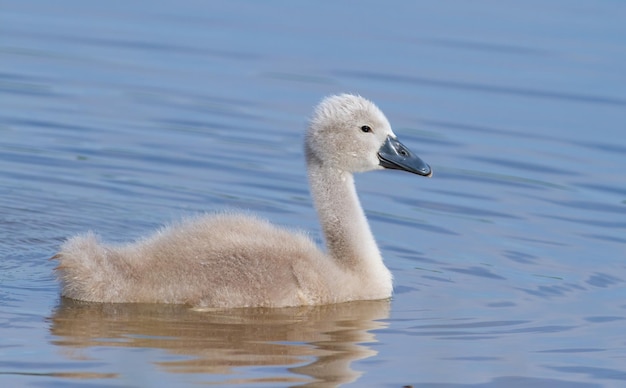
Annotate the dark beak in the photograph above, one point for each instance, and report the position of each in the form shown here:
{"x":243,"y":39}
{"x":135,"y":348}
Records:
{"x":394,"y":155}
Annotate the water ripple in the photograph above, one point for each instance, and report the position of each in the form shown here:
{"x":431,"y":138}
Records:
{"x":506,"y":90}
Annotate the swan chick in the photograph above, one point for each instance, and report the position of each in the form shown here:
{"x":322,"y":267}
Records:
{"x":234,"y":260}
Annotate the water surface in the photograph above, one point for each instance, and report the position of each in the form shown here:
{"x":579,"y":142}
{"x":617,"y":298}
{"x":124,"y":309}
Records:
{"x":509,"y":263}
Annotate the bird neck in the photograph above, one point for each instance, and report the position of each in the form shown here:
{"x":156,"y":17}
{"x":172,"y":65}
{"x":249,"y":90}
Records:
{"x":349,"y":239}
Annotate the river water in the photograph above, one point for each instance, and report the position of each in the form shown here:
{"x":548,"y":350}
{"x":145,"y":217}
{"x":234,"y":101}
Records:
{"x":509,"y":264}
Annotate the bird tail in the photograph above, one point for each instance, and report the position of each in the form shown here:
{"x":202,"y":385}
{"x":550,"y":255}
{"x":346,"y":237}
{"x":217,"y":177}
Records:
{"x":83,"y":268}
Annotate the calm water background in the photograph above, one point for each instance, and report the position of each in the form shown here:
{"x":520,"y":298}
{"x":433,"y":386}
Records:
{"x":510,"y":264}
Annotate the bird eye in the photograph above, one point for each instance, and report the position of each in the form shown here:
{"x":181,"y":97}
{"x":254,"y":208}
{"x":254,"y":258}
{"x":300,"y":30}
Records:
{"x":366,"y":128}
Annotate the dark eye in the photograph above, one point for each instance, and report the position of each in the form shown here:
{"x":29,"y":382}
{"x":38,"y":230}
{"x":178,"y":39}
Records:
{"x":366,"y":128}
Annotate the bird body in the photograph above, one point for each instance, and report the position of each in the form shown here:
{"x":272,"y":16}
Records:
{"x":231,"y":260}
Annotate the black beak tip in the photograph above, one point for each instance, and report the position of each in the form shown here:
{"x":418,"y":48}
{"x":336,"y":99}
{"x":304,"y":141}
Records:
{"x":427,"y":172}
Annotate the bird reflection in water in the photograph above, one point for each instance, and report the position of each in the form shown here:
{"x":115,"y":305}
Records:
{"x":217,"y":342}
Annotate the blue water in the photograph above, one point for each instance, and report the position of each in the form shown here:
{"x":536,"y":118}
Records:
{"x":509,"y":264}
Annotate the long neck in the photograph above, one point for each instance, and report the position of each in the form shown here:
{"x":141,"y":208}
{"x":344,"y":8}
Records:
{"x":348,"y":236}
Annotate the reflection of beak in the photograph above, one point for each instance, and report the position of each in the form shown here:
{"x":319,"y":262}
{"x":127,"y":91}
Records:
{"x":394,"y":155}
